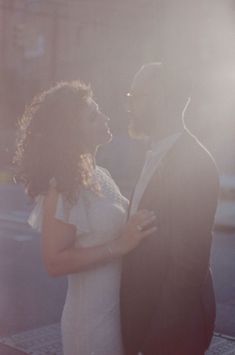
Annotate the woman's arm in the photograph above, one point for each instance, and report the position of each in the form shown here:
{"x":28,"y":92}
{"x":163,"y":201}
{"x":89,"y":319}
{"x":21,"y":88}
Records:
{"x":60,"y":255}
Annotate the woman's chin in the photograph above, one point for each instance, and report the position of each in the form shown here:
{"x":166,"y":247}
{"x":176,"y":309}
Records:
{"x":109,"y":137}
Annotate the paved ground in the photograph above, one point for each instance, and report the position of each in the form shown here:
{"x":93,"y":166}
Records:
{"x":47,"y":341}
{"x":29,"y":299}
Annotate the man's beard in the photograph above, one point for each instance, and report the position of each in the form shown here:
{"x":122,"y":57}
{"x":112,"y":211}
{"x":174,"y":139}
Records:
{"x":135,"y":131}
{"x":140,"y":128}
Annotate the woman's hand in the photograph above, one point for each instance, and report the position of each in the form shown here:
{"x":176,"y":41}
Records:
{"x":135,"y":231}
{"x":60,"y":255}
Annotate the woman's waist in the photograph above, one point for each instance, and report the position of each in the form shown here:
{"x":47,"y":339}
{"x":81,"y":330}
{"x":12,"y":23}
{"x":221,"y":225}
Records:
{"x":94,"y":291}
{"x":107,"y":274}
{"x":92,"y":240}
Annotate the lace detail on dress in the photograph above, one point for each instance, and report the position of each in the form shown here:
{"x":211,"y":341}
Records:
{"x":78,"y":214}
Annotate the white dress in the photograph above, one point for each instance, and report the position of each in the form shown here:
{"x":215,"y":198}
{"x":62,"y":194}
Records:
{"x":91,"y":315}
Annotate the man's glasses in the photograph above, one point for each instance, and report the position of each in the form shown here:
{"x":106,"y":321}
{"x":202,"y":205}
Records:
{"x":131,"y":99}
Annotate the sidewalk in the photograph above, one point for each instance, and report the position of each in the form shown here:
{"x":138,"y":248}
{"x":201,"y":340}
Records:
{"x":47,"y":341}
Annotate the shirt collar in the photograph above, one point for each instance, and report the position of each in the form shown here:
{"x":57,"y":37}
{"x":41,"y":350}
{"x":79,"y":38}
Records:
{"x":164,"y":143}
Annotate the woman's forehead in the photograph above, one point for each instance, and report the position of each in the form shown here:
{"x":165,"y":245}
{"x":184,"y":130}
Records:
{"x":92,"y":104}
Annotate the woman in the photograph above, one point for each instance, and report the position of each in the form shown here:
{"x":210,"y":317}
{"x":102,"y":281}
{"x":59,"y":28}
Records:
{"x":80,"y":212}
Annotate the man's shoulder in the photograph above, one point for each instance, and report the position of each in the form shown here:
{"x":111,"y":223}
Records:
{"x":189,"y":146}
{"x":190,"y":156}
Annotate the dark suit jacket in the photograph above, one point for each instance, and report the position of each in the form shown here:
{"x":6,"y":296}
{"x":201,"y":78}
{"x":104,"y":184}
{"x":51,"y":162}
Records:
{"x":167,"y":297}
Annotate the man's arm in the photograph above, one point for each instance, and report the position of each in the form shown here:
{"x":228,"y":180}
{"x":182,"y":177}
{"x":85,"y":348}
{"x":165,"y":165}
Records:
{"x":191,"y":217}
{"x":192,"y":201}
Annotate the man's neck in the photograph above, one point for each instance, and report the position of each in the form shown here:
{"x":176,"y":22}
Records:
{"x":164,"y":133}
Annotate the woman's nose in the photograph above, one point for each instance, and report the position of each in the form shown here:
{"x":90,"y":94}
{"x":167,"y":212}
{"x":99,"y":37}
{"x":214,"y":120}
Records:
{"x":106,"y":118}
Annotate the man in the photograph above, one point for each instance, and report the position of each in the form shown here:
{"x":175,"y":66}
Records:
{"x":167,"y":297}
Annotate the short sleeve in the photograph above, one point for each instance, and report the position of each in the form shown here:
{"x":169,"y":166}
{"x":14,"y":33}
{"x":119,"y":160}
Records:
{"x":65,"y":212}
{"x":35,"y":217}
{"x":105,"y":171}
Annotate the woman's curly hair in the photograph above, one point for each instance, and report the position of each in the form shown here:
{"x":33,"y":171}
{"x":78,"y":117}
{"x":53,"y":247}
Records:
{"x":48,"y":144}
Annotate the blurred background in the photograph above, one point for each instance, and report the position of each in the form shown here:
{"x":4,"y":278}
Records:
{"x":104,"y":42}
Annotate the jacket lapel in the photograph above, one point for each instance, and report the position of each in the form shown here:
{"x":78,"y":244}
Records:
{"x":131,"y":198}
{"x":162,"y":169}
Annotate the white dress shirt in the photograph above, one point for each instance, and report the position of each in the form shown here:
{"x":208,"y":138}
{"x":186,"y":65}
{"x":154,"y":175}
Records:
{"x":152,"y":161}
